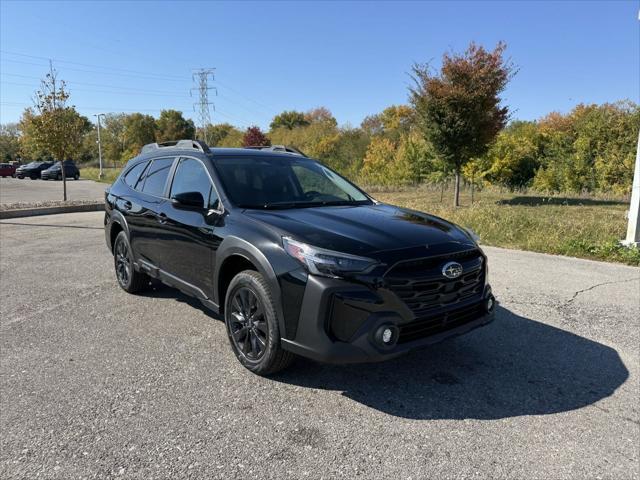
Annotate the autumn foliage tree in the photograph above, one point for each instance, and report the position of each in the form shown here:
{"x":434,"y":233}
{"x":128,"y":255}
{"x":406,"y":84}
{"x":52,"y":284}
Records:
{"x":52,"y":125}
{"x":254,"y":137}
{"x":459,"y":108}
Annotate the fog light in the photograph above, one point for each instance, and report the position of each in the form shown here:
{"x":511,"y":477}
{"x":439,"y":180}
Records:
{"x":490,"y":303}
{"x":387,"y":335}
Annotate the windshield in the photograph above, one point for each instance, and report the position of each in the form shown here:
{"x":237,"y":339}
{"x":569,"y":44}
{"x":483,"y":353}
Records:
{"x":284,"y":182}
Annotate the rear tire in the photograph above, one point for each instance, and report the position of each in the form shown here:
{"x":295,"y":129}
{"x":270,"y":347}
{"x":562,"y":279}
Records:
{"x":76,"y":176}
{"x":128,"y":278}
{"x":252,"y":325}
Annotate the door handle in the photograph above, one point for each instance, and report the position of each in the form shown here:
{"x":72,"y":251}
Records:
{"x":162,"y":218}
{"x":127,"y":205}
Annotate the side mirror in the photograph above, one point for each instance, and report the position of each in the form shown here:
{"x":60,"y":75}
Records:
{"x":188,"y":199}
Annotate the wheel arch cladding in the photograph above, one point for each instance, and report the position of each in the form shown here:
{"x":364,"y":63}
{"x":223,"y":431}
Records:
{"x":252,"y":256}
{"x":231,"y":266}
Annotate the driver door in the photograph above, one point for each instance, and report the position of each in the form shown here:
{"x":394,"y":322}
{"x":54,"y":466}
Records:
{"x":190,"y":231}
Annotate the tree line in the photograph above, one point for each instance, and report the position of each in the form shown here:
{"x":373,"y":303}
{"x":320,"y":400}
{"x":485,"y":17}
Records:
{"x":455,"y":127}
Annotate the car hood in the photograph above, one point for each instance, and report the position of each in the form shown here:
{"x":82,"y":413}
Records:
{"x":365,"y":229}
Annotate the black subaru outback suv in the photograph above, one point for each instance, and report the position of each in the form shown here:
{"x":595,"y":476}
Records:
{"x":297,"y":259}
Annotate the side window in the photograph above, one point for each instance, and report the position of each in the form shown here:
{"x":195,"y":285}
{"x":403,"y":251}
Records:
{"x":132,"y":176}
{"x":155,"y":176}
{"x":191,"y":176}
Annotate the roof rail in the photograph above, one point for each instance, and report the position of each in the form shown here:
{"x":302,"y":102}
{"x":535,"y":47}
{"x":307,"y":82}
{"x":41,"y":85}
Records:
{"x":280,"y":148}
{"x":182,"y":144}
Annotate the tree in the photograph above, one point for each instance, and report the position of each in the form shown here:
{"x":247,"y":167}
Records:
{"x":393,"y":122}
{"x":289,"y":119}
{"x":139,"y":130}
{"x":9,"y":142}
{"x":173,"y":126}
{"x":372,"y":124}
{"x":320,"y":115}
{"x":514,"y":157}
{"x":113,"y":137}
{"x":217,"y":133}
{"x":317,"y":140}
{"x":233,"y":139}
{"x":254,"y":137}
{"x":458,"y":109}
{"x":52,"y":125}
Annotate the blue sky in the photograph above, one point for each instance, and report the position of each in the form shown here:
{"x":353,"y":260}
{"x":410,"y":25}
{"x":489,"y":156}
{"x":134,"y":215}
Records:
{"x":270,"y":56}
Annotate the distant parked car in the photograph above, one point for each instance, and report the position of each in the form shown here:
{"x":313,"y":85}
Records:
{"x":32,"y":170}
{"x":7,"y":170}
{"x":55,"y":171}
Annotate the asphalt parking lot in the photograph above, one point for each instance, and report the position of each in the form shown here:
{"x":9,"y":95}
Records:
{"x":96,"y":383}
{"x":14,"y":190}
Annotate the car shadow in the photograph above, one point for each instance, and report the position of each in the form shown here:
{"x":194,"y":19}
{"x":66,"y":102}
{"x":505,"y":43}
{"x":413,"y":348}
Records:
{"x":573,"y":202}
{"x":159,"y":290}
{"x":514,"y":366}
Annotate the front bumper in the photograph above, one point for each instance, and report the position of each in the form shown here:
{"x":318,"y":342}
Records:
{"x":362,"y":313}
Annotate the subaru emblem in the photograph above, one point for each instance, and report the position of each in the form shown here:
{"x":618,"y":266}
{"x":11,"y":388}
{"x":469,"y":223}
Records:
{"x":452,"y":270}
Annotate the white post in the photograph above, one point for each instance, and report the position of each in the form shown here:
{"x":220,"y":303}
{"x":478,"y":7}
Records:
{"x":633,"y":228}
{"x":99,"y":146}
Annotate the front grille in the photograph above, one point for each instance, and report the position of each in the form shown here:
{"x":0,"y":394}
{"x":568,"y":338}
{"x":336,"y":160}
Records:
{"x":422,"y":287}
{"x":427,"y":327}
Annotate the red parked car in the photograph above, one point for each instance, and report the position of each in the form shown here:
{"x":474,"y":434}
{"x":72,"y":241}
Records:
{"x":7,"y":170}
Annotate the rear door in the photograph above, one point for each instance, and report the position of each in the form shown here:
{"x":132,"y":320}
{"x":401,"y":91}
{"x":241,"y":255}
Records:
{"x":191,"y":232}
{"x":144,"y":210}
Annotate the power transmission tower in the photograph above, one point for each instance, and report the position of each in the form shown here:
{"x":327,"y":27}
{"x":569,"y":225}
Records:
{"x":201,"y":78}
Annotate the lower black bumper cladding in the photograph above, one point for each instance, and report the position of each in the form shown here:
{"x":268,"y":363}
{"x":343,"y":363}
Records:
{"x":344,"y":325}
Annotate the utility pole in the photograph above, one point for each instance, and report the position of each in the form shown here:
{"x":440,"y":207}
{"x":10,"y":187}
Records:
{"x":633,"y":228}
{"x":99,"y":144}
{"x":201,"y":78}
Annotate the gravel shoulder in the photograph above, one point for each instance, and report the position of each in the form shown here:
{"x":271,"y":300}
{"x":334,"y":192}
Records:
{"x":96,"y":383}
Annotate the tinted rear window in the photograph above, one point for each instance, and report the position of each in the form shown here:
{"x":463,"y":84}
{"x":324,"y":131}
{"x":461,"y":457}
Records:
{"x":155,"y":177}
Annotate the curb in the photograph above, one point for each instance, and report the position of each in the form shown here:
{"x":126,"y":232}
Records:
{"x":32,"y":212}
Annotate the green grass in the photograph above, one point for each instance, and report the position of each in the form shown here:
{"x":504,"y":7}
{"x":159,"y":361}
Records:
{"x":91,"y":173}
{"x":579,"y":227}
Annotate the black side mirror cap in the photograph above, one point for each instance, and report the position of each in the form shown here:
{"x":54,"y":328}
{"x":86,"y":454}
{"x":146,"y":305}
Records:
{"x":188,"y":199}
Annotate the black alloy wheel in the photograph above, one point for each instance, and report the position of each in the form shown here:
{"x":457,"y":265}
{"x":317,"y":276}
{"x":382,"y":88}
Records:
{"x":128,"y":278}
{"x":123,"y":263}
{"x":252,"y":324}
{"x":248,"y":325}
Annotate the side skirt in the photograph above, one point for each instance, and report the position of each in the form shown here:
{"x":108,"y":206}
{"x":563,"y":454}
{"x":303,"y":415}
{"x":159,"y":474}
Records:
{"x":176,"y":282}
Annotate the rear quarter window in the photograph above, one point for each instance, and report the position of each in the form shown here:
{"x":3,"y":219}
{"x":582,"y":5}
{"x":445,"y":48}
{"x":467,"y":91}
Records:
{"x":155,"y":176}
{"x":132,"y":176}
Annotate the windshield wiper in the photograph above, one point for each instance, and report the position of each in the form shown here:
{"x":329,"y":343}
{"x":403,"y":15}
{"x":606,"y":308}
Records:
{"x":273,"y":205}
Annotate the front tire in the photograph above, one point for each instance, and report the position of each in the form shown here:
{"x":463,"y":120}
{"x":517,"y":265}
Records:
{"x":252,"y":325}
{"x":128,"y":278}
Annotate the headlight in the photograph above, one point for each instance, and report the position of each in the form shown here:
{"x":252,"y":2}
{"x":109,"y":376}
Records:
{"x":326,"y":262}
